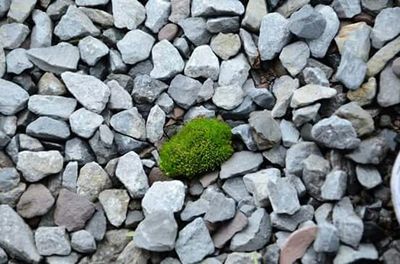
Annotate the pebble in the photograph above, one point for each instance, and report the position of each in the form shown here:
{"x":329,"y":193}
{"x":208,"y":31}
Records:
{"x":135,"y":46}
{"x":351,"y":71}
{"x":13,"y":98}
{"x":120,"y":99}
{"x":184,"y":90}
{"x":327,"y":239}
{"x":195,"y":29}
{"x":202,"y":63}
{"x":309,"y":94}
{"x":147,"y":90}
{"x":276,"y":155}
{"x":168,"y":32}
{"x":346,"y":9}
{"x":307,"y":23}
{"x":129,"y":122}
{"x":360,"y":119}
{"x":155,"y":124}
{"x":37,"y":165}
{"x":383,"y":29}
{"x":297,"y":153}
{"x":274,"y":35}
{"x":320,"y":45}
{"x":84,"y":123}
{"x":98,"y":16}
{"x":294,"y":57}
{"x":283,"y":89}
{"x":115,"y":204}
{"x":244,"y":132}
{"x":234,"y":71}
{"x":128,"y":13}
{"x":83,"y":242}
{"x":56,"y":59}
{"x":97,"y":225}
{"x":227,"y":24}
{"x":9,"y":178}
{"x":166,"y":59}
{"x":290,"y":134}
{"x":266,"y":130}
{"x":96,"y":93}
{"x":48,"y":128}
{"x":378,"y":61}
{"x":389,"y":93}
{"x":355,"y":38}
{"x":305,"y":114}
{"x":198,"y":111}
{"x":343,"y":137}
{"x":212,"y":8}
{"x":368,"y":176}
{"x":74,"y":23}
{"x":92,"y":50}
{"x":164,"y":196}
{"x":240,"y":163}
{"x":220,"y":207}
{"x":130,"y":172}
{"x":370,"y":151}
{"x":52,"y":241}
{"x":290,"y":222}
{"x":228,"y":97}
{"x":255,"y":11}
{"x":334,"y":187}
{"x":365,"y":94}
{"x":179,"y":10}
{"x":284,"y":201}
{"x":92,"y":180}
{"x":314,"y":75}
{"x":17,"y":237}
{"x":225,"y":45}
{"x":249,"y":46}
{"x":242,"y":258}
{"x":347,"y":255}
{"x":35,"y":201}
{"x":12,"y":35}
{"x":72,"y":210}
{"x":194,"y":235}
{"x":52,"y":105}
{"x":20,"y":10}
{"x":348,"y":223}
{"x":17,"y":61}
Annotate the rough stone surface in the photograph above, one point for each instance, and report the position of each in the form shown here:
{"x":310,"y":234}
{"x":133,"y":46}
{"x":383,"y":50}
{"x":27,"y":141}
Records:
{"x":128,"y":13}
{"x":166,"y":59}
{"x":35,"y":201}
{"x":311,"y":93}
{"x":202,"y":63}
{"x":37,"y":165}
{"x":240,"y":163}
{"x":266,"y":131}
{"x":52,"y":241}
{"x":135,"y":46}
{"x":13,"y":98}
{"x":129,"y":122}
{"x":115,"y":204}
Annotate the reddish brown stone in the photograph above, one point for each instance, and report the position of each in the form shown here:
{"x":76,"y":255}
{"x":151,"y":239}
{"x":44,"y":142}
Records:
{"x":296,"y":244}
{"x":35,"y":201}
{"x":168,"y":32}
{"x":227,"y":231}
{"x":209,"y":178}
{"x":157,"y":175}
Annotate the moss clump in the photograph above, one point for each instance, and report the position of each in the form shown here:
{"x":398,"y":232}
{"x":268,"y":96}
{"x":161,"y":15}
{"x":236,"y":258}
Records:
{"x":202,"y":145}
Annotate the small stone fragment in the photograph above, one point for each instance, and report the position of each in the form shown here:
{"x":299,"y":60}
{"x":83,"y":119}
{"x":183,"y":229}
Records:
{"x":311,"y":93}
{"x":84,"y":123}
{"x":35,"y":201}
{"x":129,"y":122}
{"x":202,"y":63}
{"x":128,"y":13}
{"x":307,"y":23}
{"x":240,"y":163}
{"x":135,"y":46}
{"x":283,"y":196}
{"x":225,"y":45}
{"x":52,"y":241}
{"x":368,"y":176}
{"x":92,"y":50}
{"x":83,"y":242}
{"x":294,"y":57}
{"x":37,"y":165}
{"x":115,"y":204}
{"x":334,"y":187}
{"x":266,"y":131}
{"x":157,"y":13}
{"x":166,"y":59}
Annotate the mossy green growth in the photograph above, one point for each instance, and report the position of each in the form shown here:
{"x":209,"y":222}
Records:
{"x":200,"y":146}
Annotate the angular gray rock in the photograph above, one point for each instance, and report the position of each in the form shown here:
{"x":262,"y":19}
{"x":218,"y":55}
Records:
{"x":266,"y":131}
{"x":212,"y":8}
{"x":17,"y":237}
{"x":290,"y":222}
{"x":334,"y":187}
{"x":307,"y":23}
{"x":35,"y":201}
{"x":228,"y":97}
{"x":384,"y":29}
{"x":202,"y":63}
{"x":52,"y":241}
{"x":360,"y":119}
{"x":13,"y":98}
{"x":48,"y":128}
{"x":97,"y":225}
{"x":297,"y":153}
{"x":155,"y":124}
{"x":12,"y":35}
{"x":290,"y":134}
{"x":72,"y":210}
{"x":92,"y":93}
{"x":294,"y":57}
{"x":240,"y":163}
{"x":348,"y":223}
{"x":255,"y":11}
{"x":179,"y":10}
{"x":20,"y":10}
{"x":74,"y":23}
{"x":166,"y":59}
{"x":195,"y":29}
{"x":255,"y":235}
{"x":164,"y":196}
{"x":128,"y":13}
{"x":315,"y":169}
{"x":130,"y":172}
{"x":256,"y":183}
{"x":120,"y":99}
{"x":223,"y":24}
{"x":389,"y":92}
{"x":82,"y":241}
{"x":92,"y":50}
{"x":314,"y":75}
{"x":92,"y":180}
{"x":194,"y":235}
{"x":311,"y":93}
{"x":135,"y":46}
{"x":225,"y":45}
{"x":347,"y":255}
{"x":274,"y":35}
{"x":220,"y":207}
{"x":245,"y":134}
{"x":242,"y":258}
{"x":184,"y":90}
{"x":283,"y":89}
{"x":370,"y":151}
{"x":17,"y":61}
{"x":37,"y":165}
{"x":351,"y":71}
{"x":129,"y":122}
{"x":41,"y":35}
{"x":335,"y":132}
{"x":234,"y":71}
{"x":155,"y":235}
{"x":147,"y":89}
{"x":327,"y":239}
{"x":115,"y":205}
{"x":52,"y":105}
{"x":157,"y":13}
{"x":368,"y":176}
{"x":57,"y":59}
{"x":283,"y":196}
{"x":84,"y":123}
{"x":347,"y":9}
{"x":9,"y":178}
